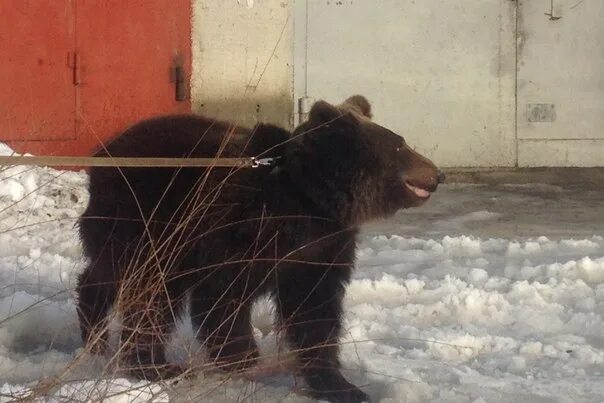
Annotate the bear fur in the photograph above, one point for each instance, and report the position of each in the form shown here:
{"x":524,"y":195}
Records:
{"x":225,"y":236}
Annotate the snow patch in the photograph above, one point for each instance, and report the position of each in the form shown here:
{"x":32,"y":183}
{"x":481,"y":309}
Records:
{"x":447,"y":319}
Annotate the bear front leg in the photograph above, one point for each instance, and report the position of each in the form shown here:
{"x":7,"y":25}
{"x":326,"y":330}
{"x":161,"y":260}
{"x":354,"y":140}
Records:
{"x":309,"y":301}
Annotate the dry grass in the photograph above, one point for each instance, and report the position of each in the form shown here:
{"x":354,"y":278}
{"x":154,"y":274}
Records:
{"x":147,"y":270}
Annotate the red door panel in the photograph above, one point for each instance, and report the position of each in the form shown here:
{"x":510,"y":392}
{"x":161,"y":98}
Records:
{"x":126,"y":53}
{"x":37,"y":99}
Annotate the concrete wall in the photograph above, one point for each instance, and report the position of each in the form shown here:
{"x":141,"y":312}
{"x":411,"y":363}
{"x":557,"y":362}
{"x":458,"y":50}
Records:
{"x":242,"y":60}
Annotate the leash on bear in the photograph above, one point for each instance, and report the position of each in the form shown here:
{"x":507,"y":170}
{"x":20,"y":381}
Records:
{"x":138,"y":162}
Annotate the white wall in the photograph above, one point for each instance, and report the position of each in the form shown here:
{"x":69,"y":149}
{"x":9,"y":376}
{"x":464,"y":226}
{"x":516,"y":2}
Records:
{"x":242,"y":60}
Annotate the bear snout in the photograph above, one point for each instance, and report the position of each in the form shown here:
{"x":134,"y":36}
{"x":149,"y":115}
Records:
{"x":421,"y":173}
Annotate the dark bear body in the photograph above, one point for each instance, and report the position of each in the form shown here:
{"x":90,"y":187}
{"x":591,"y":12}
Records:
{"x":226,"y":236}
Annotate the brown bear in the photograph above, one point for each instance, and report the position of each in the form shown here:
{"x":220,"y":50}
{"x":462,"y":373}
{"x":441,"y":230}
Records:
{"x":219,"y":238}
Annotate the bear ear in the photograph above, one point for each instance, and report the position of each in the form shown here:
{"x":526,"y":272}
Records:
{"x":322,"y":111}
{"x":360,"y":104}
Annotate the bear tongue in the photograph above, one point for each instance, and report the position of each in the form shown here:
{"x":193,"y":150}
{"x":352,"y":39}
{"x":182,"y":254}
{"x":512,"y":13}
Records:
{"x":419,"y":192}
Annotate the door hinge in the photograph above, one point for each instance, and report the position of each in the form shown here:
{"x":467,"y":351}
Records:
{"x":554,"y":13}
{"x":178,"y":77}
{"x":74,"y":65}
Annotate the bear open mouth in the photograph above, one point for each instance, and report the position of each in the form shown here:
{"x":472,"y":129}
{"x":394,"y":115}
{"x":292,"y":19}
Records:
{"x":418,"y":191}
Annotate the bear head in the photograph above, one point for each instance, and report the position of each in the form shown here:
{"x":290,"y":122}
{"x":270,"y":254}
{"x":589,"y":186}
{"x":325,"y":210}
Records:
{"x":353,"y":169}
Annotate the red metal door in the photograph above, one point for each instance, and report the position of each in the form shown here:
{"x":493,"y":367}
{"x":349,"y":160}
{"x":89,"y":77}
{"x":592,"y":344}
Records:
{"x":126,"y":51}
{"x":79,"y":71}
{"x":37,"y":99}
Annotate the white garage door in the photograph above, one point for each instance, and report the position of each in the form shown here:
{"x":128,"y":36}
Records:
{"x":561,"y":83}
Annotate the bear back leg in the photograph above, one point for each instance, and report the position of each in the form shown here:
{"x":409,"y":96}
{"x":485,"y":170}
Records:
{"x":149,"y":316}
{"x":223,"y":325}
{"x":95,"y":298}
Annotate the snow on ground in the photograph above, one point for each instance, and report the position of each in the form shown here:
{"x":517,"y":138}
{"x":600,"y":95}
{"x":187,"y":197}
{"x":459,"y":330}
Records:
{"x":487,"y":294}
